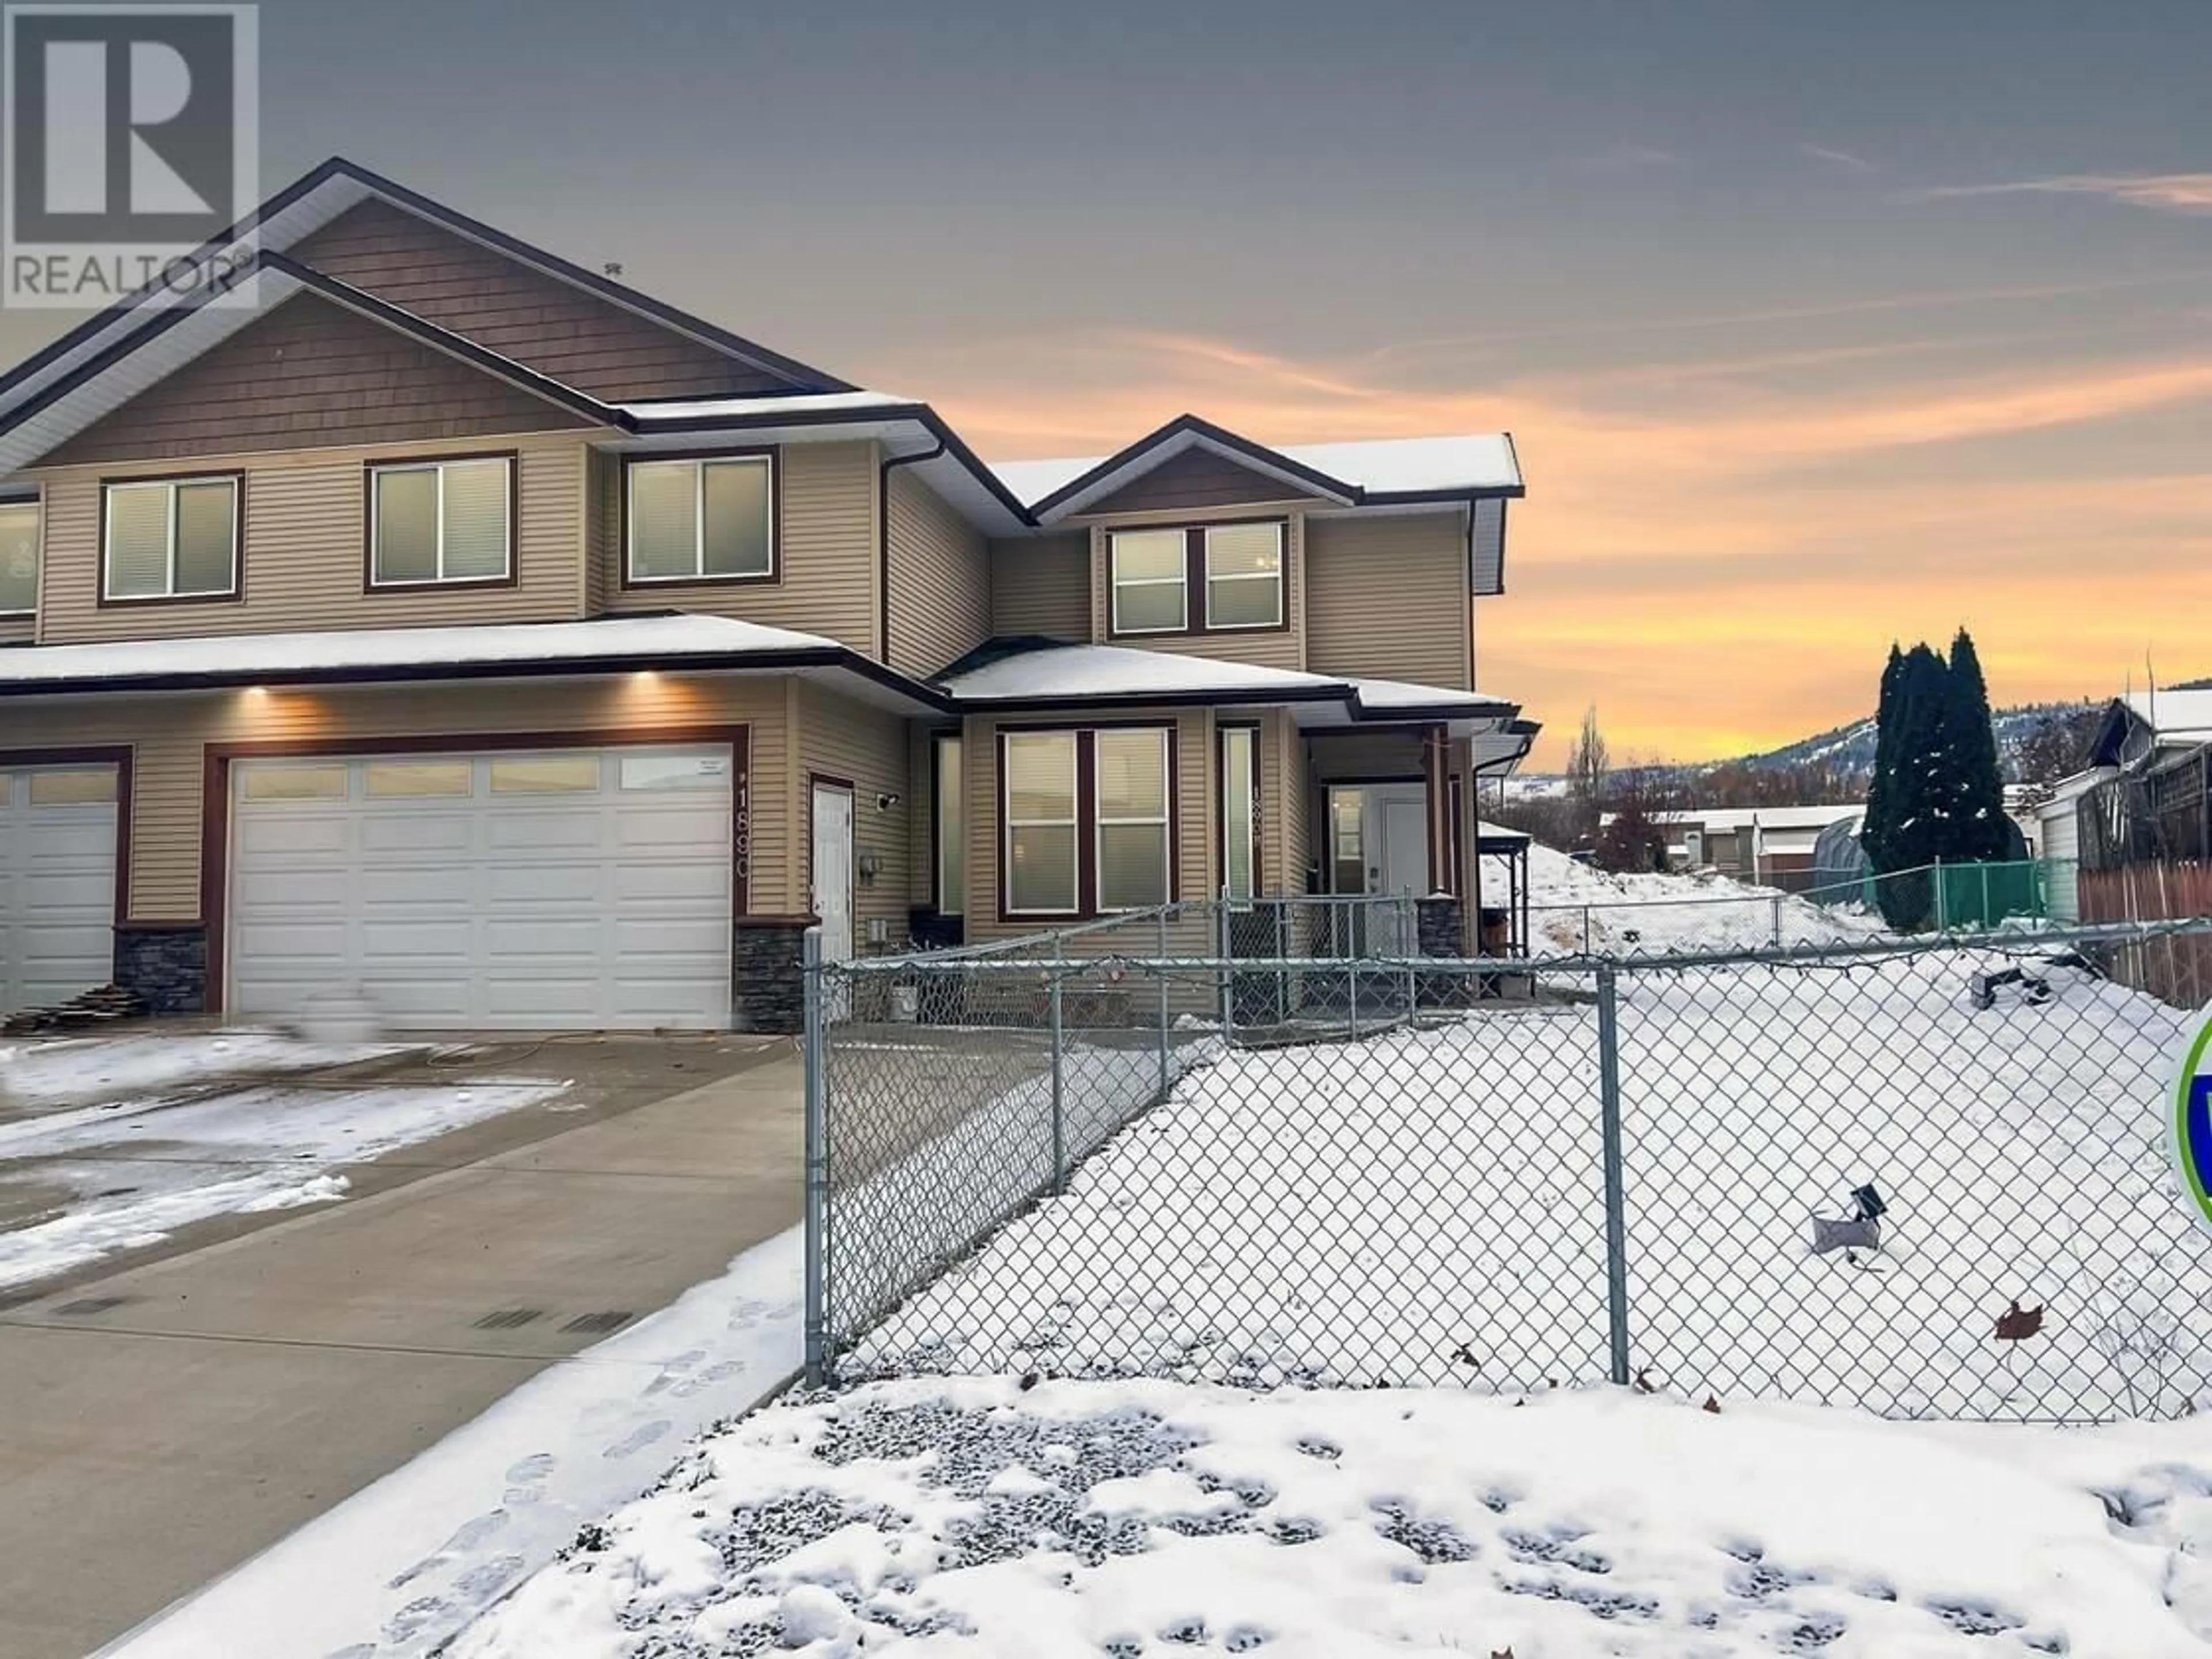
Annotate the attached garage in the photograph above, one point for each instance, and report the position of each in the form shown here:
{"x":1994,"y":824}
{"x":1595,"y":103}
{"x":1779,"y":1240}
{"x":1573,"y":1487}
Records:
{"x":57,"y":850}
{"x":569,"y":888}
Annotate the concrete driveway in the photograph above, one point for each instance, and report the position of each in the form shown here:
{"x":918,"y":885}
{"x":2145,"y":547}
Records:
{"x":169,"y":1420}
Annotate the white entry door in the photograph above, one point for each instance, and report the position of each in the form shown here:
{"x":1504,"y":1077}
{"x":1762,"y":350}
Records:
{"x":56,"y":883}
{"x":568,"y":890}
{"x":1401,"y":872}
{"x":833,"y":886}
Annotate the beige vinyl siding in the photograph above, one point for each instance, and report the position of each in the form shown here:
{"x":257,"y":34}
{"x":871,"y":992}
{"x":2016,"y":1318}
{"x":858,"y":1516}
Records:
{"x":603,"y":530}
{"x":1195,"y":865}
{"x":1042,"y":587}
{"x":940,"y":580}
{"x":18,"y":630}
{"x":825,"y":556}
{"x":867,"y":747}
{"x":1386,"y":596}
{"x":170,"y":733}
{"x":303,"y":544}
{"x":1285,"y":797}
{"x":1270,"y":648}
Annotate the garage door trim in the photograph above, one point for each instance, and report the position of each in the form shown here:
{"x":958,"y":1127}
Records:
{"x":117,"y":755}
{"x":216,"y":798}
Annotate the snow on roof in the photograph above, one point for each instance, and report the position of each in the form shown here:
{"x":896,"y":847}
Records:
{"x":2174,"y":714}
{"x":728,"y":408}
{"x":1382,"y":695}
{"x":1475,"y":460}
{"x":242,"y":657}
{"x":1115,"y":671}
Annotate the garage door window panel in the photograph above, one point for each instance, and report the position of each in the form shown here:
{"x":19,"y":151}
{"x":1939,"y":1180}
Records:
{"x":441,"y":523}
{"x":295,"y":783}
{"x":403,"y":780}
{"x":545,"y":775}
{"x":86,"y":788}
{"x":170,"y":538}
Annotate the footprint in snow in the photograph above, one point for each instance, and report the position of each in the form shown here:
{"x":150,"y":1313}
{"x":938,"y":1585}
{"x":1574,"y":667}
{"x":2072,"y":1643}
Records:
{"x":637,"y":1439}
{"x":479,"y":1583}
{"x":413,"y":1618}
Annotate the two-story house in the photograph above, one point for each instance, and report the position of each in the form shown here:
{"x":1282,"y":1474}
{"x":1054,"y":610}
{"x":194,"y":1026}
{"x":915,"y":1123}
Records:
{"x":430,"y":617}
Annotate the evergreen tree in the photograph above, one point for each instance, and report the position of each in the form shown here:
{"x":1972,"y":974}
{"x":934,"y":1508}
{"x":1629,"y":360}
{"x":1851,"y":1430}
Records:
{"x":1917,"y":737}
{"x":1976,"y":821}
{"x":1875,"y":828}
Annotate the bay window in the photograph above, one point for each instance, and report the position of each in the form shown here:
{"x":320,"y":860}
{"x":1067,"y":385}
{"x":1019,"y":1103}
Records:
{"x":1088,"y":820}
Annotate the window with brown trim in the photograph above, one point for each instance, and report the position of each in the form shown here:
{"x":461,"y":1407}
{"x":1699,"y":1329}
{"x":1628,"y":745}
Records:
{"x":1239,"y":755}
{"x":1197,"y":578}
{"x":441,"y":522}
{"x":19,"y":557}
{"x":169,"y":538}
{"x":1087,"y":820}
{"x":701,"y":519}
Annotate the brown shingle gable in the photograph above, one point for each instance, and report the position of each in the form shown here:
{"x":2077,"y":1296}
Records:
{"x":1196,"y":477}
{"x":309,"y":374}
{"x":552,"y":325}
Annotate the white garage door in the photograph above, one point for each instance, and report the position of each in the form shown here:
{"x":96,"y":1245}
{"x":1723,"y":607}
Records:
{"x":576,"y":889}
{"x":56,"y":883}
{"x":2061,"y":851}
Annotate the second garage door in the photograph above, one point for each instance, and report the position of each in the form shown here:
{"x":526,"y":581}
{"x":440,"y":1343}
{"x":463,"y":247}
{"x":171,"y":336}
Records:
{"x":56,"y":883}
{"x":570,"y":890}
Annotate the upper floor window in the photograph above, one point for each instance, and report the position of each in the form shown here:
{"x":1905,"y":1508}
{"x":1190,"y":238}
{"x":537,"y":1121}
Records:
{"x":708,"y":519}
{"x":19,"y":558}
{"x":441,"y":521}
{"x":170,"y":538}
{"x":1197,"y":579}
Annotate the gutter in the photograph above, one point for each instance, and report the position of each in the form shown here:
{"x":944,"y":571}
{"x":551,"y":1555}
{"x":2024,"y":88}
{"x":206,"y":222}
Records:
{"x":884,"y":541}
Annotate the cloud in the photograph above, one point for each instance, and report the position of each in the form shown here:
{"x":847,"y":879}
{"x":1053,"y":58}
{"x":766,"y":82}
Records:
{"x":1839,"y":158}
{"x":2167,"y":193}
{"x":1631,"y":158}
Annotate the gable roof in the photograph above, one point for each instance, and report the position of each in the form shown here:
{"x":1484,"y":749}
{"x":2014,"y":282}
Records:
{"x":1389,"y":472}
{"x":318,"y":197}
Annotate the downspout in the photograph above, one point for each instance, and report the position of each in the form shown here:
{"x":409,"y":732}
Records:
{"x":884,"y":543}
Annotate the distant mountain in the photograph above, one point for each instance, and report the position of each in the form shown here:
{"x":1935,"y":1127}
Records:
{"x":1850,"y":749}
{"x":1847,"y":749}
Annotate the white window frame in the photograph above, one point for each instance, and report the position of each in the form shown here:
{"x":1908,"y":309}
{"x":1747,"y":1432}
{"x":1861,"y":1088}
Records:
{"x":1274,"y":577}
{"x":1008,"y":822}
{"x":1116,"y":582}
{"x":377,"y":470}
{"x":110,"y":488}
{"x":698,"y":464}
{"x":1228,"y":789}
{"x":1165,"y":820}
{"x":38,"y":576}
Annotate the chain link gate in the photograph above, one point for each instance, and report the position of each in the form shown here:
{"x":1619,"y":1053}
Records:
{"x":1218,"y":1164}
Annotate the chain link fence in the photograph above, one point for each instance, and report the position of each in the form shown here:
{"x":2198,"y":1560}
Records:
{"x":1927,"y":1177}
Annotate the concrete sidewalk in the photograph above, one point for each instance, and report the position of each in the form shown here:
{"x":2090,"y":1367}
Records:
{"x":168,"y":1422}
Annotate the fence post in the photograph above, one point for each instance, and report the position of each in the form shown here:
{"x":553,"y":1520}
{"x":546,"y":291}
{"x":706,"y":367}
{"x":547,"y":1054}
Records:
{"x":818,"y":1167}
{"x":1282,"y":958}
{"x":1777,"y":924}
{"x":1059,"y":1107}
{"x":1942,"y":900}
{"x":1616,"y":1202}
{"x":1163,"y":973}
{"x":1228,"y":978}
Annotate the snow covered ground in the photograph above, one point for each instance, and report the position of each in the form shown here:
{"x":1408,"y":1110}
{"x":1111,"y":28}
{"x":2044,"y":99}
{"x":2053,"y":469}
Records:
{"x":1575,"y":908}
{"x":973,"y":1517}
{"x":116,"y":1161}
{"x":1426,"y":1206}
{"x":394,"y":1571}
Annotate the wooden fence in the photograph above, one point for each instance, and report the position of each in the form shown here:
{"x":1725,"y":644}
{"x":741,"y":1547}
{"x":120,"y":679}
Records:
{"x":2175,"y":970}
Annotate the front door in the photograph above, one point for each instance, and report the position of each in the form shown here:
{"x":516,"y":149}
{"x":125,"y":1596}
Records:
{"x":1400,"y":872}
{"x":833,"y":886}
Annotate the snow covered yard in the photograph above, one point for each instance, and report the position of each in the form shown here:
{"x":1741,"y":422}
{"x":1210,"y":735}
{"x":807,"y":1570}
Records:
{"x":1575,"y":908}
{"x":1426,"y":1206}
{"x":127,"y":1140}
{"x":974,"y":1518}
